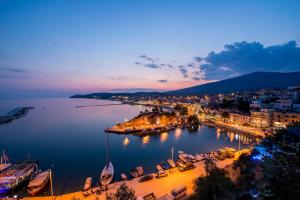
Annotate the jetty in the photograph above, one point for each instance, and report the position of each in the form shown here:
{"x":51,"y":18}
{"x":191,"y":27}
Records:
{"x":147,"y":123}
{"x":15,"y":114}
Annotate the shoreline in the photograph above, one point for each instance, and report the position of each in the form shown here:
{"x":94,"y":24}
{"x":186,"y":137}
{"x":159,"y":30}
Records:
{"x":173,"y":180}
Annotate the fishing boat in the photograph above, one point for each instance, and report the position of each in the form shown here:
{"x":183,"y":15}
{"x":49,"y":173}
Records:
{"x":107,"y":173}
{"x":123,"y":176}
{"x":17,"y":174}
{"x":38,"y":182}
{"x":171,"y":163}
{"x":4,"y":162}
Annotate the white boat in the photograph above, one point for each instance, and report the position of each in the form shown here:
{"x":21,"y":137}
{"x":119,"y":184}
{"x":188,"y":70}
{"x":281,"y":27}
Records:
{"x":180,"y":152}
{"x":107,"y":174}
{"x":182,"y":157}
{"x":88,"y":184}
{"x":38,"y":183}
{"x":171,"y":163}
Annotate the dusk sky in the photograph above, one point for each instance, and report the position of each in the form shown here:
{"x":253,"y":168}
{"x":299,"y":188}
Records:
{"x":93,"y":46}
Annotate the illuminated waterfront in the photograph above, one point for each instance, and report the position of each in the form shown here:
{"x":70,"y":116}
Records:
{"x":72,"y":139}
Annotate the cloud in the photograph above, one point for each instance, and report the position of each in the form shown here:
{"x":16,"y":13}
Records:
{"x":246,"y":57}
{"x":3,"y":76}
{"x":184,"y":72}
{"x":125,"y":78}
{"x":153,"y":63}
{"x":12,"y":69}
{"x":163,"y":81}
{"x":147,"y":58}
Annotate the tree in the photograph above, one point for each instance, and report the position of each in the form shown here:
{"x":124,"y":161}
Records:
{"x":181,"y":109}
{"x":243,"y":106}
{"x":225,"y":114}
{"x":193,"y":120}
{"x":122,"y":193}
{"x":215,"y":185}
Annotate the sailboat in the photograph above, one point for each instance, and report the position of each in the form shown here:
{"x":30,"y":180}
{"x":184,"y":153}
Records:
{"x":107,"y":173}
{"x":4,"y":162}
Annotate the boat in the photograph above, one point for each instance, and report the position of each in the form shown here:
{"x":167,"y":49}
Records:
{"x":38,"y":183}
{"x":159,"y":168}
{"x":191,"y":158}
{"x":16,"y":175}
{"x":123,"y":176}
{"x":134,"y":173}
{"x":161,"y":173}
{"x":147,"y":177}
{"x":88,"y":184}
{"x":171,"y":163}
{"x":180,"y":152}
{"x":164,"y":165}
{"x":4,"y":162}
{"x":107,"y":173}
{"x":182,"y":157}
{"x":199,"y":157}
{"x":180,"y":163}
{"x":140,"y":170}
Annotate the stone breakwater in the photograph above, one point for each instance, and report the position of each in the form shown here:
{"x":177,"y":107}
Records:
{"x":14,"y":114}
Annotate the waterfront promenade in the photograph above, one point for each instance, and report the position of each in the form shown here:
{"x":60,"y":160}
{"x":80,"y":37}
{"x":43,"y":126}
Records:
{"x":158,"y":186}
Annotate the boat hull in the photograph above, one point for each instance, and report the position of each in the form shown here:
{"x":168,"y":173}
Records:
{"x":107,"y":174}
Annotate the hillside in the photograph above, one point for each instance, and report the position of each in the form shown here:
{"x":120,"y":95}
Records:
{"x":248,"y":82}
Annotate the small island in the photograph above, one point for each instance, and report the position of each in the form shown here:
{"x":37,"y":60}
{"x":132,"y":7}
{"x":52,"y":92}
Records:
{"x":15,"y":114}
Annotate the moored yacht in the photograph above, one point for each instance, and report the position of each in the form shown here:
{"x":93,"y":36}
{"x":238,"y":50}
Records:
{"x":17,"y":174}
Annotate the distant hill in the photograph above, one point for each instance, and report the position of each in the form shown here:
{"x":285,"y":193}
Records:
{"x":107,"y":95}
{"x":248,"y":82}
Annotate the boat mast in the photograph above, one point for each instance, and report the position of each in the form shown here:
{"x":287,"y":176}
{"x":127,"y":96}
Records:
{"x":107,"y":149}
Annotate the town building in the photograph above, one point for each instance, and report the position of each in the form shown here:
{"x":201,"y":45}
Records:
{"x":262,"y":118}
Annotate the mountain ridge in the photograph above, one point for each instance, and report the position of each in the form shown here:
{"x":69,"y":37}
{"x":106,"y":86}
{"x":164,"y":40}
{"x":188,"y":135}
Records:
{"x":247,"y":82}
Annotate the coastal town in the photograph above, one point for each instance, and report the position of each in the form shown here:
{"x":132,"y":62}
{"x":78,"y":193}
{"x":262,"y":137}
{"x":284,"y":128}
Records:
{"x":149,"y":100}
{"x":256,"y":113}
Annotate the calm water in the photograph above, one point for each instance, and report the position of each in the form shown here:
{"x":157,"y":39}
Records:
{"x":73,"y":139}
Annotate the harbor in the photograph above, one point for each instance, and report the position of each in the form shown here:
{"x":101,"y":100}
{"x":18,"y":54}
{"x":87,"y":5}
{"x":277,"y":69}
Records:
{"x":174,"y":179}
{"x":86,"y":153}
